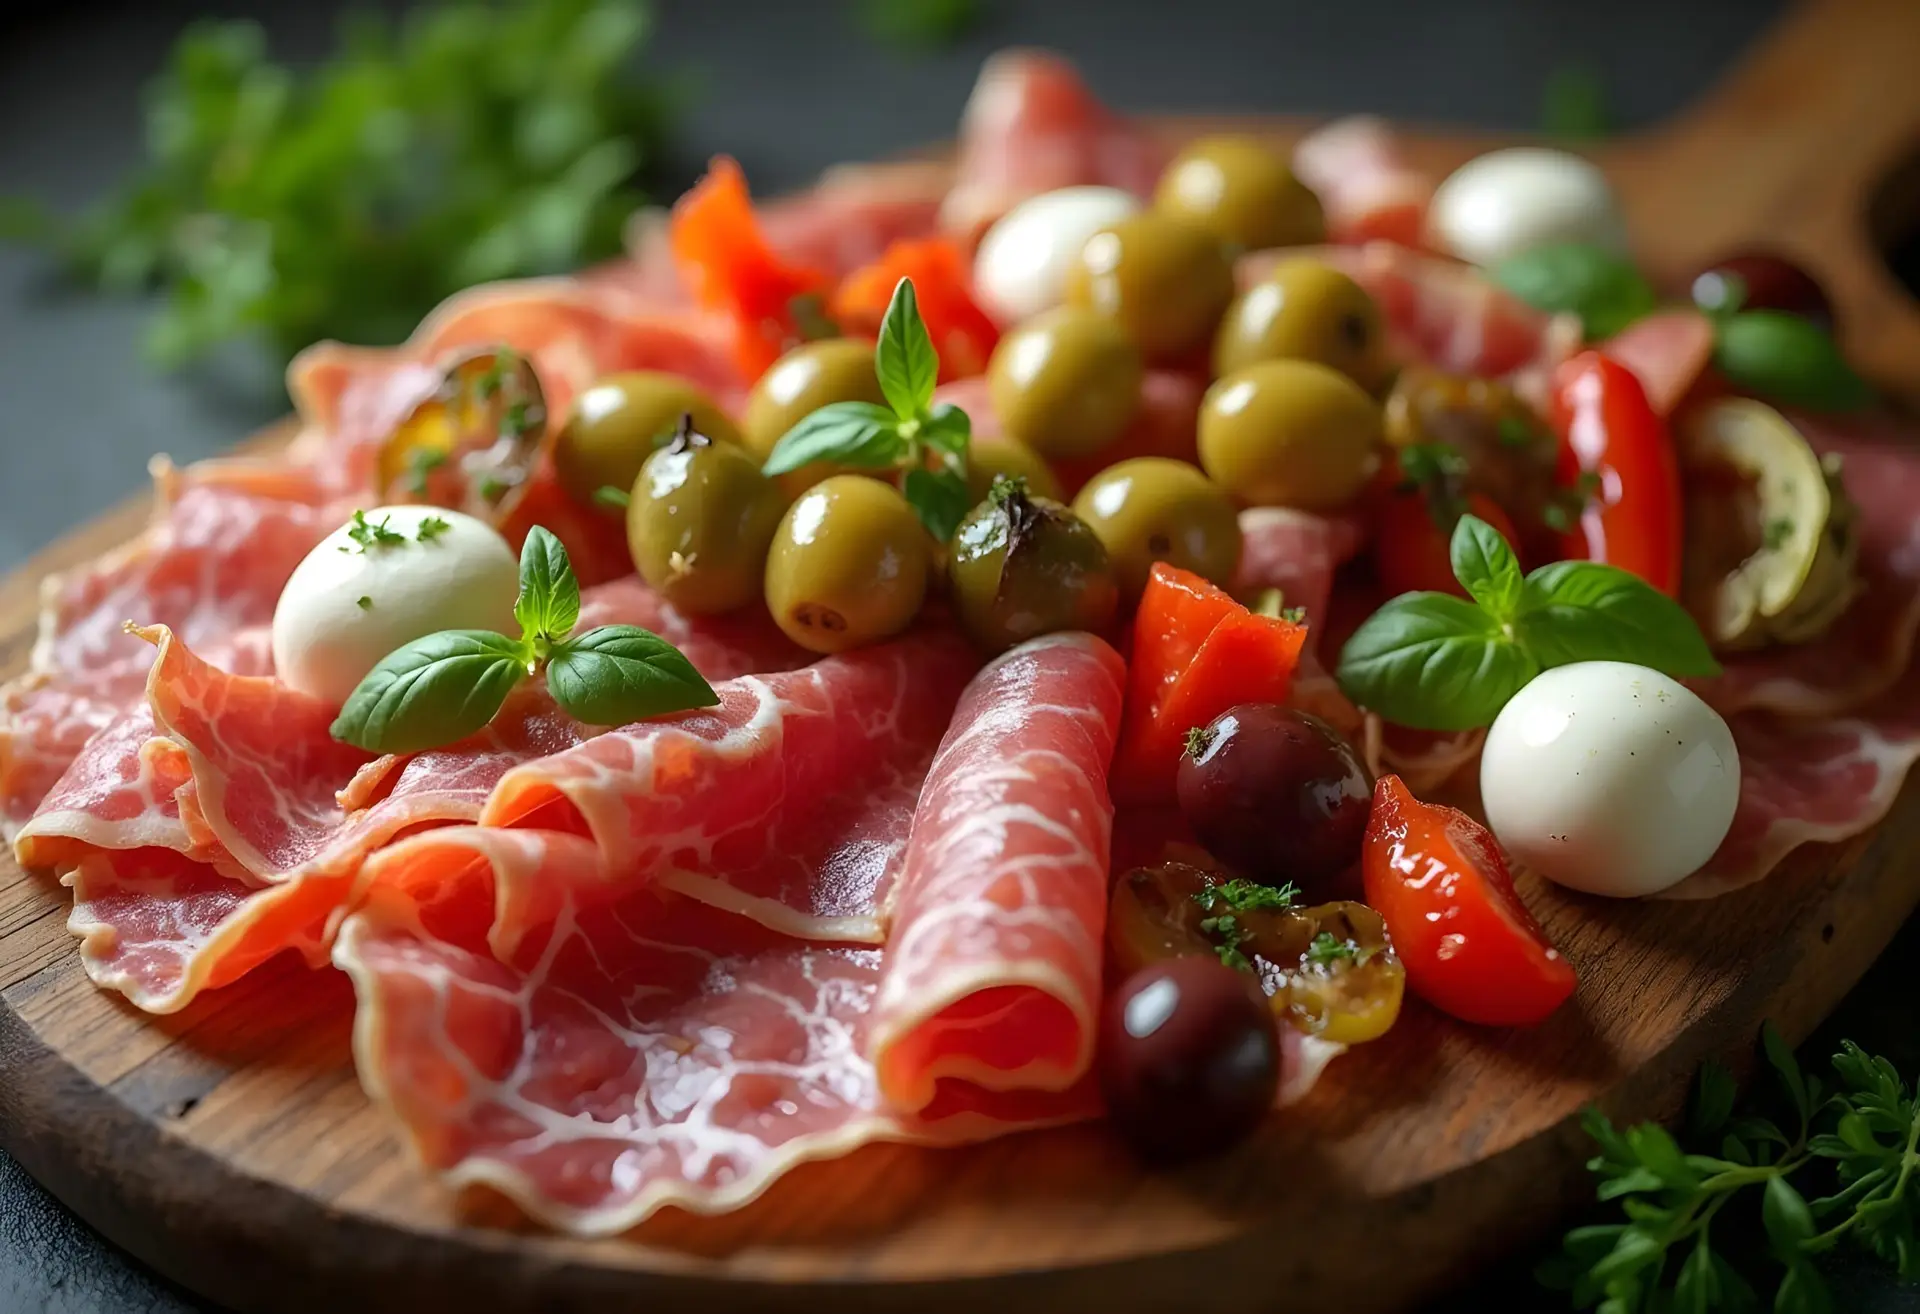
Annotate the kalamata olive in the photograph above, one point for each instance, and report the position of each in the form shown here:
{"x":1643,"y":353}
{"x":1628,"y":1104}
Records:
{"x":1279,"y":795}
{"x":1189,"y":1059}
{"x":1762,"y":280}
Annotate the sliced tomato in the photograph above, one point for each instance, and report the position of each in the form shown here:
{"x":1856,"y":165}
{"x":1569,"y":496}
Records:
{"x":1412,"y":547}
{"x":1611,"y":436}
{"x":1196,"y":652}
{"x":718,"y":245}
{"x":1470,"y":946}
{"x":962,"y":332}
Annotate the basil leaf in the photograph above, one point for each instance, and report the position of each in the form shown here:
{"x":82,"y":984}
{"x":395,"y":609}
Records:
{"x":1585,"y":611}
{"x":949,"y":429}
{"x":617,"y":674}
{"x":1486,"y":566}
{"x":432,"y":692}
{"x":848,"y":433}
{"x":1604,"y":289}
{"x":940,"y":498}
{"x":1784,"y":358}
{"x":549,"y":601}
{"x":1433,"y":662}
{"x":904,"y":357}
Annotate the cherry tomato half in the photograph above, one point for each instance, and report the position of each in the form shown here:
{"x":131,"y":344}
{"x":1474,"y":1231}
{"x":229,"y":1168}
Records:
{"x":1470,"y":947}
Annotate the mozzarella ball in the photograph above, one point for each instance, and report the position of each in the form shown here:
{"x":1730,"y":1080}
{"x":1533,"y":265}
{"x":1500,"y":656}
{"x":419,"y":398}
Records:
{"x":1609,"y":778}
{"x":1021,"y":266}
{"x":1510,"y":201}
{"x":350,"y":603}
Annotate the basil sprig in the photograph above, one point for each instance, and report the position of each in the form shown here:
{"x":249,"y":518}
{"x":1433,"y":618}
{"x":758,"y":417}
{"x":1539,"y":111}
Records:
{"x":446,"y":686}
{"x":1600,"y":286}
{"x":909,"y":433}
{"x":1436,"y":662}
{"x":1781,"y":357}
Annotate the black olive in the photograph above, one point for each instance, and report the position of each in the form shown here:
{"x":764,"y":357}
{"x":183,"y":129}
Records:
{"x":1277,"y":795}
{"x":1189,"y":1059}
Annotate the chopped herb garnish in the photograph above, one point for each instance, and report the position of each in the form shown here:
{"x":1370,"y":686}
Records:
{"x":1513,"y":431}
{"x":608,"y":496}
{"x":363,"y":602}
{"x":1777,"y":532}
{"x":1294,"y":615}
{"x":1328,"y":948}
{"x":1199,"y":740}
{"x":369,"y":535}
{"x":492,"y":487}
{"x":1243,"y":895}
{"x":431,"y":528}
{"x":423,"y":462}
{"x":1227,"y":929}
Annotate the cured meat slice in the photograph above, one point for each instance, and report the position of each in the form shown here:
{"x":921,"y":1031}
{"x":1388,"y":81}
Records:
{"x":211,"y":567}
{"x":1031,"y":126}
{"x":1872,"y":644}
{"x":1809,"y":781}
{"x":1667,"y":351}
{"x":640,"y":1053}
{"x":992,"y":970}
{"x":1446,"y":314}
{"x":1365,"y":184}
{"x":789,"y":802}
{"x":1296,"y":552}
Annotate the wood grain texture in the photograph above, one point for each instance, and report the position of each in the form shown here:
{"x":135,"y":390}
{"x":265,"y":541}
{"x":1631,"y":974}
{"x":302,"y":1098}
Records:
{"x":230,"y":1146}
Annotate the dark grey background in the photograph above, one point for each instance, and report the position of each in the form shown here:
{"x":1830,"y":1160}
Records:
{"x":788,"y":87}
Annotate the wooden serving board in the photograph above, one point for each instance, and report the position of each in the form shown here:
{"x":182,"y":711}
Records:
{"x":231,"y":1147}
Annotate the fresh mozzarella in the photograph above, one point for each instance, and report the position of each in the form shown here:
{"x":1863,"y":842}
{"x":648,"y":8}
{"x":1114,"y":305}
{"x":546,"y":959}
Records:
{"x":1510,"y":201}
{"x":1609,"y":778}
{"x":350,"y":603}
{"x":1021,"y":266}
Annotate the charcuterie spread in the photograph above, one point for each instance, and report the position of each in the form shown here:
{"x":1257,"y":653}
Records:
{"x":1087,"y":631}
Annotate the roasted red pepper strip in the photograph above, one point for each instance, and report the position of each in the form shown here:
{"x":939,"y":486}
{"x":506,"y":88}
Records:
{"x":961,"y":332}
{"x":719,"y":247}
{"x":1609,"y":432}
{"x":1196,"y":652}
{"x":1470,"y":946}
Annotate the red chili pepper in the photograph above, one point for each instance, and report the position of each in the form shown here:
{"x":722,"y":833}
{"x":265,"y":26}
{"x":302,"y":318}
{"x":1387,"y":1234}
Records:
{"x":718,"y":244}
{"x":1196,"y":652}
{"x":1611,"y":434}
{"x":961,"y":332}
{"x":1470,"y":946}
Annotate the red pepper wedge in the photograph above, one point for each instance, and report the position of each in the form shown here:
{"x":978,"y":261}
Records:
{"x":1610,"y":432}
{"x":1196,"y":652}
{"x":717,"y":242}
{"x":962,"y":332}
{"x":1469,"y":945}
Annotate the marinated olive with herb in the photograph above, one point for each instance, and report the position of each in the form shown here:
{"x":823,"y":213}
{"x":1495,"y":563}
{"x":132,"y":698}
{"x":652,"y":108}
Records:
{"x":1189,"y":1059}
{"x":1278,"y":795}
{"x":1290,"y":433}
{"x":848,"y":565}
{"x":1328,"y":970}
{"x":812,"y":375}
{"x":1065,"y":383}
{"x":996,"y":457}
{"x":617,"y":423}
{"x":1165,"y":280}
{"x":700,"y":519}
{"x":1022,"y":566}
{"x":1242,"y":192}
{"x":1305,"y":309}
{"x":1155,"y":509}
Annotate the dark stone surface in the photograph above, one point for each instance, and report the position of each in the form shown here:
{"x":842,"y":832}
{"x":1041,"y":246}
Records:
{"x":789,"y":87}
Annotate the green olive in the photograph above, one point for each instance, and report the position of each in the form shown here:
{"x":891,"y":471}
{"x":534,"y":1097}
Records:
{"x":991,"y":457}
{"x":1154,"y":509}
{"x":699,"y":522}
{"x":1165,"y":280}
{"x":1243,"y":193}
{"x":1023,"y":566}
{"x":812,"y":375}
{"x":615,"y":425}
{"x":1066,"y":382}
{"x":1290,"y":433}
{"x":848,"y":566}
{"x":1305,"y":309}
